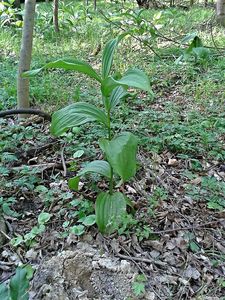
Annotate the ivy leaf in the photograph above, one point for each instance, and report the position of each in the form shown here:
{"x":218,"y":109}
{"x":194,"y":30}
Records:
{"x":89,"y":220}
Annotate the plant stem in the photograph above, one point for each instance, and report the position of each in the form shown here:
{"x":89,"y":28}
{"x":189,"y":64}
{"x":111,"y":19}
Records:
{"x":110,"y":137}
{"x":111,"y":182}
{"x":109,"y":126}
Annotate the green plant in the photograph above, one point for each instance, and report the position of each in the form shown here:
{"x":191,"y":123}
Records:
{"x":138,"y":286}
{"x":9,"y":14}
{"x":17,"y":289}
{"x":5,"y":207}
{"x":83,"y":214}
{"x":210,"y":190}
{"x":159,"y":194}
{"x":119,"y":150}
{"x":29,"y":238}
{"x":195,"y":49}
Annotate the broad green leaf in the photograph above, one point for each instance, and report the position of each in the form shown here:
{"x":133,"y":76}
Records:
{"x":137,"y":79}
{"x":197,"y":42}
{"x":108,"y":85}
{"x":201,"y":52}
{"x":32,"y":73}
{"x":19,"y":285}
{"x":67,"y":64}
{"x":121,"y":154}
{"x":108,"y":53}
{"x":132,"y":78}
{"x":107,"y":57}
{"x":109,"y":211}
{"x":189,"y":37}
{"x":75,"y":115}
{"x":4,"y":292}
{"x":117,"y":94}
{"x":194,"y":44}
{"x":74,"y":183}
{"x":29,"y":270}
{"x":89,"y":220}
{"x":97,"y":166}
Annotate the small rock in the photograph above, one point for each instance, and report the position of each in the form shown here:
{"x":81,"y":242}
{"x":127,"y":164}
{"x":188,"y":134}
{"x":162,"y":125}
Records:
{"x":172,"y":162}
{"x":125,"y":266}
{"x":108,"y":264}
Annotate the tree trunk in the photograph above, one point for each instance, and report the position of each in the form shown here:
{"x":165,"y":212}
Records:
{"x":220,"y":12}
{"x":143,"y":3}
{"x":56,"y":15}
{"x":25,"y":55}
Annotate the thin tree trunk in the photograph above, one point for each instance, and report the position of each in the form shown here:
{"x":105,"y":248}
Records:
{"x":56,"y":15}
{"x":25,"y":55}
{"x":220,"y":11}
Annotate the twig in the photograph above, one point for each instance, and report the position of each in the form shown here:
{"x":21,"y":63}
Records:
{"x":35,"y":150}
{"x":140,"y":259}
{"x":41,"y":166}
{"x":63,"y":162}
{"x":200,"y":226}
{"x":6,"y":235}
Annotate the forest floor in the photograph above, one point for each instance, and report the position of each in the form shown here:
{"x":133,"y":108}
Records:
{"x":175,"y":239}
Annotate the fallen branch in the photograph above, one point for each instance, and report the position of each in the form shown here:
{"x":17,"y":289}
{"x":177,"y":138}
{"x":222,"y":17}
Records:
{"x":43,"y":166}
{"x":63,"y":162}
{"x":141,"y":259}
{"x":28,"y":111}
{"x":35,"y":150}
